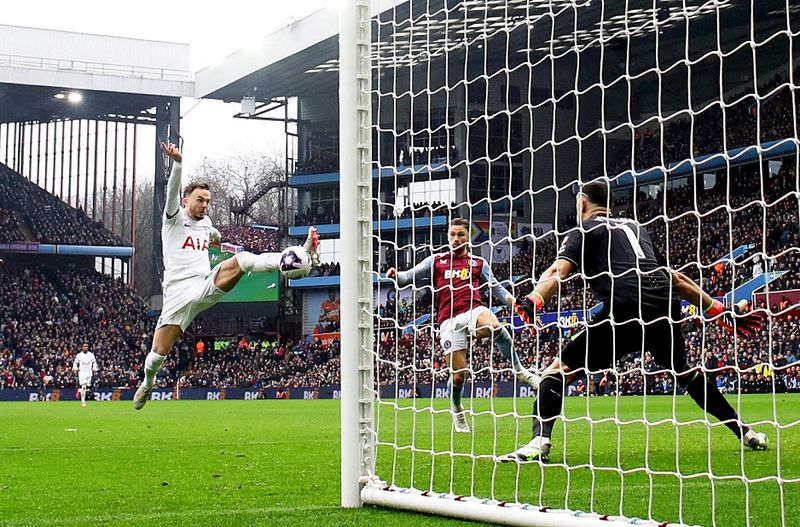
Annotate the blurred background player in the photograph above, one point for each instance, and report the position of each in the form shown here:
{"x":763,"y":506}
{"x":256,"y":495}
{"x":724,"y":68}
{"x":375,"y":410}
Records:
{"x":190,"y":285}
{"x":85,"y":365}
{"x":457,"y":276}
{"x":641,"y":312}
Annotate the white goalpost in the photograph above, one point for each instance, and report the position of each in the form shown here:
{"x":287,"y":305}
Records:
{"x":497,"y":112}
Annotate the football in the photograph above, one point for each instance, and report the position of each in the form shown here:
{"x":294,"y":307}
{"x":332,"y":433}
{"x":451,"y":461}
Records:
{"x":295,"y":262}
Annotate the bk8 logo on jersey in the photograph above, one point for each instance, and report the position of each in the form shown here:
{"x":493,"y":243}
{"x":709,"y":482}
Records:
{"x":456,"y":273}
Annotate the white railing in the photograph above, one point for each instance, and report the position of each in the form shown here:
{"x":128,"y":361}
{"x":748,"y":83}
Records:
{"x":94,"y":68}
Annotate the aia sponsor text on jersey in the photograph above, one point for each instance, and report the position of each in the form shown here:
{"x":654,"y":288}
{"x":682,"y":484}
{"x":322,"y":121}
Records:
{"x":195,"y":244}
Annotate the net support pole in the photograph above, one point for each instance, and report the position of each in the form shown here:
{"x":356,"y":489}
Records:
{"x":355,"y":187}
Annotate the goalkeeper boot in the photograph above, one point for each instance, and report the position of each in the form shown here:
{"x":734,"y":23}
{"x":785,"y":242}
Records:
{"x":312,"y":246}
{"x":141,"y":396}
{"x":755,"y":440}
{"x":535,"y":450}
{"x":528,"y":377}
{"x":460,"y":420}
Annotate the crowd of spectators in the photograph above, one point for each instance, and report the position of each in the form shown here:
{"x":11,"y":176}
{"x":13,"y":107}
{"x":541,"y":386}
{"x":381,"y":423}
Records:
{"x":50,"y":313}
{"x":9,"y":226}
{"x":46,"y":216}
{"x":47,"y":313}
{"x":254,"y":239}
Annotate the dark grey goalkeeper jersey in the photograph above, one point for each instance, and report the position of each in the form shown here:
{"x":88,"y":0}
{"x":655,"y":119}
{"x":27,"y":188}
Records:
{"x":624,"y":270}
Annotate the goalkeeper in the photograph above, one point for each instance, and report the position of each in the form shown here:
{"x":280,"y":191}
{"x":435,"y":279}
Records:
{"x":640,"y":312}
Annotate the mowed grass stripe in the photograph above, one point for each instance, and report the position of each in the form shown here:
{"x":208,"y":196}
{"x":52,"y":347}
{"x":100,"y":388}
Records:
{"x":277,"y":462}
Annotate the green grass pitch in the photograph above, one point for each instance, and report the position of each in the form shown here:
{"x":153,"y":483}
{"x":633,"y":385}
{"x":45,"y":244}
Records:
{"x":230,"y":463}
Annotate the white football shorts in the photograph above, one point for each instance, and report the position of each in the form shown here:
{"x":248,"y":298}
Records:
{"x":454,"y":333}
{"x":185,"y":298}
{"x":84,"y":379}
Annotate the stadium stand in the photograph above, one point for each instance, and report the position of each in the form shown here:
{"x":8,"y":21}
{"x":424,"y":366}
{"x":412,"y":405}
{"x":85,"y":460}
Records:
{"x":253,"y":239}
{"x":50,"y":313}
{"x":45,"y":217}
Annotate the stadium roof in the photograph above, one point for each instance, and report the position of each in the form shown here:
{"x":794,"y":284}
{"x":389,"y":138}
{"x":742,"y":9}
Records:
{"x":276,"y":65}
{"x":118,"y":78}
{"x":302,"y":58}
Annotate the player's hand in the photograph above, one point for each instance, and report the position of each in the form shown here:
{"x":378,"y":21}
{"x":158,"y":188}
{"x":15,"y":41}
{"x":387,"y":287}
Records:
{"x":391,"y":273}
{"x":746,"y":325}
{"x":527,"y":309}
{"x":172,"y":151}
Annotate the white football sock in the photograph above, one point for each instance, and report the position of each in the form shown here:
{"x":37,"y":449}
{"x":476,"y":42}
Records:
{"x":152,"y":363}
{"x":83,"y":394}
{"x":258,"y":263}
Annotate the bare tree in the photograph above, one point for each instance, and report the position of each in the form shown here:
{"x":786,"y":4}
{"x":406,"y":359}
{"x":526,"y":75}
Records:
{"x":144,"y":261}
{"x":239,"y":178}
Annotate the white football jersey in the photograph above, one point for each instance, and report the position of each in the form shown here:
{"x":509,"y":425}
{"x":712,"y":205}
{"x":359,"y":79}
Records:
{"x":185,"y":243}
{"x":85,"y":363}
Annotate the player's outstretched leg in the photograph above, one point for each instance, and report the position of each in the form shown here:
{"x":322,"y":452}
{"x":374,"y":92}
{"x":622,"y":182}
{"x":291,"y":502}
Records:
{"x":489,"y":326}
{"x":163,"y":340}
{"x":708,"y":397}
{"x":505,"y":343}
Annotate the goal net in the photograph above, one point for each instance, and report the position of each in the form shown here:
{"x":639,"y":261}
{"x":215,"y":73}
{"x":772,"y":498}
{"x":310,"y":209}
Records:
{"x":498,"y":111}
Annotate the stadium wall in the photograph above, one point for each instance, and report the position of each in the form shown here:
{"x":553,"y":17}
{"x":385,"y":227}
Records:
{"x":480,"y":390}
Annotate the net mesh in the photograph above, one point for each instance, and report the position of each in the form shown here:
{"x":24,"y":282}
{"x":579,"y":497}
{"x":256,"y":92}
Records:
{"x":495,"y":111}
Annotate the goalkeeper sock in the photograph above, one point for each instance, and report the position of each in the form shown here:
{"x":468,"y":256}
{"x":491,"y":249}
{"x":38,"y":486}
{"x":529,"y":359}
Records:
{"x":708,"y":397}
{"x":548,"y":405}
{"x":152,"y":363}
{"x":258,"y":263}
{"x":505,"y":343}
{"x":456,"y":390}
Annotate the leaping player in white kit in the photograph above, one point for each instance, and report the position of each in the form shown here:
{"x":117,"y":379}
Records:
{"x":190,"y":286}
{"x":85,"y":365}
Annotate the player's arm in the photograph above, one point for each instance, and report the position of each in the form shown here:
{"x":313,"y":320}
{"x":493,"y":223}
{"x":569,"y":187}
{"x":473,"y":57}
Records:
{"x":544,"y":289}
{"x":691,"y":292}
{"x":94,"y":363}
{"x":75,"y":365}
{"x":173,"y":201}
{"x":569,"y":254}
{"x":419,"y":271}
{"x":498,"y":291}
{"x":744,"y":325}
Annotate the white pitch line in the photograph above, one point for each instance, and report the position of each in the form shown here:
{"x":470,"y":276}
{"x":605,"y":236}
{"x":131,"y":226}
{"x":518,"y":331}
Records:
{"x":140,"y":519}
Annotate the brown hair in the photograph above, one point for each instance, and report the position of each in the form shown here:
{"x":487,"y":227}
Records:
{"x":460,"y":222}
{"x":596,"y":192}
{"x":192,"y":186}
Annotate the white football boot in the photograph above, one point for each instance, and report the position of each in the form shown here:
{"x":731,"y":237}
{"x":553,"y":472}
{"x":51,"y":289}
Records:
{"x":535,"y":450}
{"x":141,"y":396}
{"x":755,"y":440}
{"x":460,"y":420}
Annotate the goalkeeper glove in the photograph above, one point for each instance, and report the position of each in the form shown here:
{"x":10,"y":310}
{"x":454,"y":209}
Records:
{"x":528,"y":307}
{"x":746,"y":325}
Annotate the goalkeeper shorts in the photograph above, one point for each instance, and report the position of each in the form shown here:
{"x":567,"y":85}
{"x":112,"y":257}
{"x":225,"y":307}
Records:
{"x":604,"y":341}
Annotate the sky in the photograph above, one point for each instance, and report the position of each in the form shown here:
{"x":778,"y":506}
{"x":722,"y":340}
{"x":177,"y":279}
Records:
{"x":212,"y":33}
